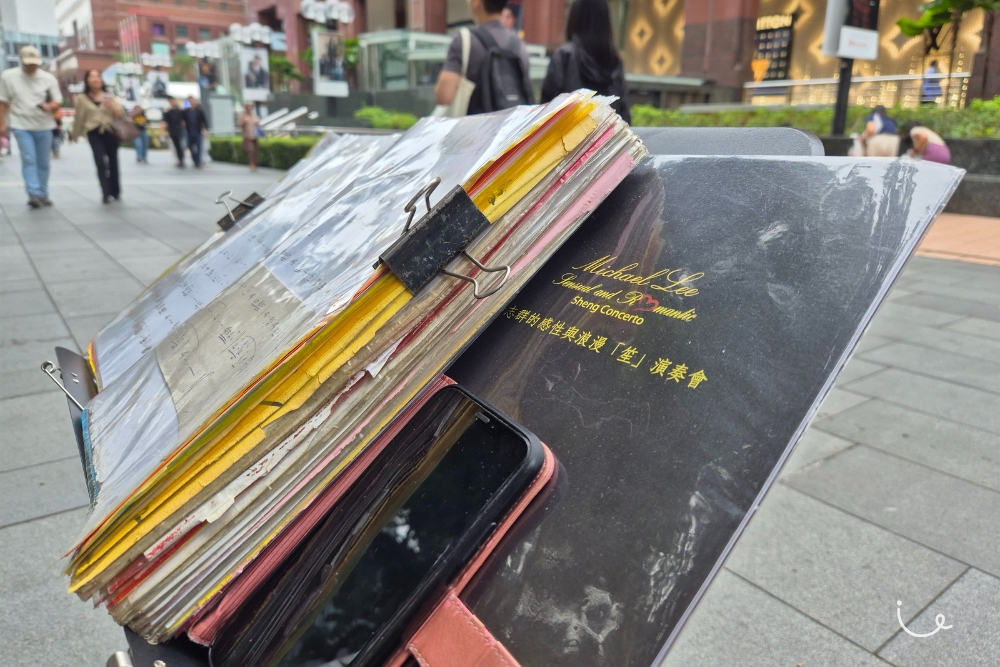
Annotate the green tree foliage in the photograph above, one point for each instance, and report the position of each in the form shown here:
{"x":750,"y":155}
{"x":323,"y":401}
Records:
{"x":934,"y":17}
{"x":307,"y":56}
{"x":282,"y":71}
{"x":183,"y":68}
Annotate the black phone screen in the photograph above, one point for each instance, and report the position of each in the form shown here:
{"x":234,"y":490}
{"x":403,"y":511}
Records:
{"x":466,"y":465}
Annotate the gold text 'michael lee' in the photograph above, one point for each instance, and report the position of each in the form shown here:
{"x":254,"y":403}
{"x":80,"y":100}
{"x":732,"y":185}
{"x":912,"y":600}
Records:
{"x":679,"y":286}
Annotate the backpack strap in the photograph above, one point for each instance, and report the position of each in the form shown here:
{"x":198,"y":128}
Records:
{"x":466,"y":47}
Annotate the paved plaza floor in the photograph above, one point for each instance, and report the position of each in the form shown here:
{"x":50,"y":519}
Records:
{"x":893,"y":494}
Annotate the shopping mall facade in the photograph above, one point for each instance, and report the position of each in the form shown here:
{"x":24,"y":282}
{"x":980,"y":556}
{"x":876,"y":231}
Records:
{"x":720,"y":40}
{"x":709,"y":50}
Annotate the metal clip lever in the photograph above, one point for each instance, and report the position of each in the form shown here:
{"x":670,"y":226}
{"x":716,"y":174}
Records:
{"x":475,"y":284}
{"x":411,"y":206}
{"x":48,"y":368}
{"x":221,"y":199}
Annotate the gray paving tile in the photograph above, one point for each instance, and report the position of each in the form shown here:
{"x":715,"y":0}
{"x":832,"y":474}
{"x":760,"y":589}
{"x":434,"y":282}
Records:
{"x":955,"y":305}
{"x":950,"y":272}
{"x":977,"y":327}
{"x":16,"y":269}
{"x":956,"y":368}
{"x":857,"y":368}
{"x":24,"y":383}
{"x":917,"y":315}
{"x":36,"y":429}
{"x":85,"y":327}
{"x":100,"y":296}
{"x":65,"y":242}
{"x":47,"y":326}
{"x":111,"y":229}
{"x":956,"y":449}
{"x":802,"y":551}
{"x":21,"y":284}
{"x":814,"y":445}
{"x":738,"y":625}
{"x":838,"y":400}
{"x":31,"y":302}
{"x":896,"y":294}
{"x":972,"y":290}
{"x":43,"y":489}
{"x":76,"y":267}
{"x":29,"y":354}
{"x":870,"y":341}
{"x":950,"y":515}
{"x":148,"y":269}
{"x":43,"y":624}
{"x":937,"y":397}
{"x":970,"y":608}
{"x":135,"y":248}
{"x":944,"y":339}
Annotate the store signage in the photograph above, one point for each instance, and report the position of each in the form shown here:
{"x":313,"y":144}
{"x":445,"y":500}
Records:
{"x":156,"y":60}
{"x":858,"y":44}
{"x":775,"y":21}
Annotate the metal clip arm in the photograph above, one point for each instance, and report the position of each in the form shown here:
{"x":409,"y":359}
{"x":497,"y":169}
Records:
{"x":49,"y":369}
{"x":411,"y":206}
{"x":475,"y":284}
{"x":221,"y":199}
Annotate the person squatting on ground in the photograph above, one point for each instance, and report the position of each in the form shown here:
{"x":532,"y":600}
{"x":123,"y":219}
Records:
{"x":30,"y":96}
{"x":879,"y":138}
{"x":95,"y":111}
{"x":923,"y":143}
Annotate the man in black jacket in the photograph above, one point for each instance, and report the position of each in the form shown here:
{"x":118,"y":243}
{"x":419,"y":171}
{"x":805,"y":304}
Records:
{"x":197,"y":126}
{"x":173,"y":123}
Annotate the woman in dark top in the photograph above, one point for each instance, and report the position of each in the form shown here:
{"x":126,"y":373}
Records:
{"x":589,"y":58}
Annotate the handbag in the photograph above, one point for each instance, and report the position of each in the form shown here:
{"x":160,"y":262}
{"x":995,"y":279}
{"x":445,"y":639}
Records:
{"x":460,"y":104}
{"x":124,"y":129}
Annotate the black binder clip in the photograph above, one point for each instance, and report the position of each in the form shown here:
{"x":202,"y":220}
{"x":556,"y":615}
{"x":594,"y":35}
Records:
{"x":443,"y":234}
{"x":233,"y":215}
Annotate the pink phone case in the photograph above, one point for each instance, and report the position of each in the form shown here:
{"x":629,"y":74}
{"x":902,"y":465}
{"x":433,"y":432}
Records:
{"x":451,"y":635}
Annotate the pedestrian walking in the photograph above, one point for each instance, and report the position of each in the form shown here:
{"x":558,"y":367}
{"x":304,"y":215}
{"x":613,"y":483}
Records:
{"x":589,"y":58}
{"x":173,"y":125}
{"x":249,"y":123}
{"x":57,"y":134}
{"x":95,"y":111}
{"x":29,"y":96}
{"x":197,"y":127}
{"x":492,"y":58}
{"x":930,"y":88}
{"x":141,"y":142}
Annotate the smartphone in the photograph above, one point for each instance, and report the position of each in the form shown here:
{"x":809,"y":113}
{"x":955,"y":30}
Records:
{"x":387,"y":551}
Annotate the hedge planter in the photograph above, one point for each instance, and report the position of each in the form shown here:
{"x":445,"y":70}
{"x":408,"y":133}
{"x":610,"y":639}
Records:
{"x":275,"y":152}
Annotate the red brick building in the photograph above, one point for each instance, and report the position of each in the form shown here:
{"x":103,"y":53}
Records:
{"x":161,"y":27}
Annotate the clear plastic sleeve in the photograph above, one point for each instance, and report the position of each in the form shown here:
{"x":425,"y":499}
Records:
{"x":218,"y":263}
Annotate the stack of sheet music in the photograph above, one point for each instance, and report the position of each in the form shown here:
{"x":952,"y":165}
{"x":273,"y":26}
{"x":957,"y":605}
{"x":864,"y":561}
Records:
{"x":232,"y":425}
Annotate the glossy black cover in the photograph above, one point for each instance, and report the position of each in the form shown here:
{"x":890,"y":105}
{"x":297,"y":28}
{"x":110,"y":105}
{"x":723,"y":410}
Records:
{"x":671,"y":423}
